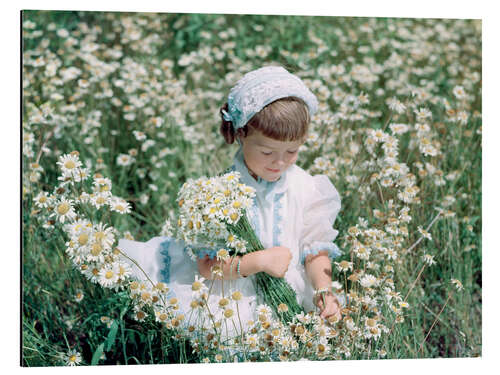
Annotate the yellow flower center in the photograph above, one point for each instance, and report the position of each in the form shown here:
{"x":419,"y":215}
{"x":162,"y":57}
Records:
{"x":282,"y":307}
{"x":109,"y":275}
{"x":63,"y":208}
{"x":344,"y":264}
{"x":236,"y":296}
{"x":371,"y":322}
{"x":70,"y":164}
{"x":234,"y":216}
{"x":196,"y":286}
{"x":100,"y":200}
{"x":228,"y":313}
{"x":237,"y":204}
{"x":163,"y":317}
{"x":43,"y":199}
{"x":72,"y":358}
{"x":83,"y":238}
{"x":99,"y":236}
{"x":223,"y":302}
{"x":96,"y":249}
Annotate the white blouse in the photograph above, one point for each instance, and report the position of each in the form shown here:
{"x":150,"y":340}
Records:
{"x":297,"y":211}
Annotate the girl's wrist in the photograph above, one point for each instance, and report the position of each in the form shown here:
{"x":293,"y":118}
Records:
{"x":251,"y":263}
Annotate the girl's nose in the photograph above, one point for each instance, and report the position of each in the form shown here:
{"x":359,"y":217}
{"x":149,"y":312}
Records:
{"x":280,"y":161}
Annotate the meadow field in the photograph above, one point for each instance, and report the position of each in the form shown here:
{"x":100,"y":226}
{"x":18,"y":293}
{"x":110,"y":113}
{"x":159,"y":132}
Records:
{"x":120,"y":109}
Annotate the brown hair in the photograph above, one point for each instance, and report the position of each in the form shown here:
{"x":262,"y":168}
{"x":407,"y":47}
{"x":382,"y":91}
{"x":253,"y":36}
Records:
{"x":285,"y":119}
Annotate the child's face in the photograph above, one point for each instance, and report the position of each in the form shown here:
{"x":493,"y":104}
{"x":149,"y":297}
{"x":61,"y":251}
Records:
{"x":266,"y":157}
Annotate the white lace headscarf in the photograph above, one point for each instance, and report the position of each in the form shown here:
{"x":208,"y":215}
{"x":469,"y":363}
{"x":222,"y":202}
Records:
{"x":260,"y":87}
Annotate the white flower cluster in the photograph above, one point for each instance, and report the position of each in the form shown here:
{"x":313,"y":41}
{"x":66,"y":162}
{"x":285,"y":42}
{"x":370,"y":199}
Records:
{"x":90,"y":244}
{"x":207,"y":205}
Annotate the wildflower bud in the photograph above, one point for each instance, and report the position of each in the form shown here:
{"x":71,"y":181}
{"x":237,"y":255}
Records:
{"x":236,"y":296}
{"x":282,"y":307}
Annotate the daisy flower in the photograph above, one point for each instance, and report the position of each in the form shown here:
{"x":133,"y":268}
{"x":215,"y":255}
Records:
{"x":428,"y":259}
{"x":404,"y":305}
{"x":79,"y":296}
{"x":73,"y":358}
{"x":459,"y":92}
{"x":424,"y":233}
{"x":198,"y":284}
{"x":124,"y":271}
{"x":457,"y":284}
{"x":64,"y":210}
{"x":105,"y":236}
{"x":69,"y":164}
{"x":100,"y":199}
{"x":124,"y":160}
{"x":119,"y":205}
{"x":422,"y":114}
{"x":139,"y":314}
{"x":264,"y":310}
{"x":399,"y":128}
{"x":395,"y":105}
{"x":108,"y":276}
{"x":367,"y":281}
{"x":378,"y":135}
{"x":42,"y":200}
{"x":102,"y":184}
{"x":222,"y":254}
{"x":344,"y":266}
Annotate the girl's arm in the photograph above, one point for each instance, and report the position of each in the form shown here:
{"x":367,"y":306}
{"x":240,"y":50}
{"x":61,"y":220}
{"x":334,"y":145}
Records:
{"x":319,"y":270}
{"x":273,"y":261}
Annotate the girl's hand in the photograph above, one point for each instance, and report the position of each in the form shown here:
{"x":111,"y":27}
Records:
{"x":275,"y":260}
{"x":330,"y":307}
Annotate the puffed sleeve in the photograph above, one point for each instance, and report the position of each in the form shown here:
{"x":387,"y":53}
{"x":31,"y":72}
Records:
{"x":321,"y":206}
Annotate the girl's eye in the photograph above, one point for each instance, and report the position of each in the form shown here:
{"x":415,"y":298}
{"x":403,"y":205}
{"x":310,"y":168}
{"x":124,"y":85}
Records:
{"x":266,"y":153}
{"x":292,"y":152}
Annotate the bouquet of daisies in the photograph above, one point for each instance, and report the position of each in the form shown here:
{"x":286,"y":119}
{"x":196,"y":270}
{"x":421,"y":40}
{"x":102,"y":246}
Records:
{"x":212,"y":212}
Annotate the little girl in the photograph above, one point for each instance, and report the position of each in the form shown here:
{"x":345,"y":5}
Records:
{"x":268,"y":113}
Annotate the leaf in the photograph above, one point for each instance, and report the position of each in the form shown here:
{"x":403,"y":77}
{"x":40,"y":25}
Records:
{"x":112,"y":335}
{"x":97,"y":355}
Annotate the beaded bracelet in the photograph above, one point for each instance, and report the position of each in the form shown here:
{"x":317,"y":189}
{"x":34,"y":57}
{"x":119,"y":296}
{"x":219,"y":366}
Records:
{"x":322,"y":291}
{"x":238,"y":268}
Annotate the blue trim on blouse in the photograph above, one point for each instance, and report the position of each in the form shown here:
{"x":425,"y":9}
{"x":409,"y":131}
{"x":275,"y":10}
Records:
{"x":254,"y":217}
{"x":317,"y":246}
{"x":165,"y":271}
{"x":277,"y":219}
